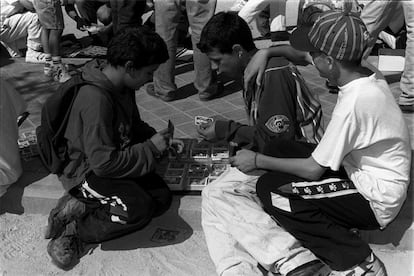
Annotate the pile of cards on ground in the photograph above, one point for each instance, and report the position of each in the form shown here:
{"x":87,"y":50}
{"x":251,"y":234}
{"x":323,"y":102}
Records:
{"x":28,"y":145}
{"x":196,"y":166}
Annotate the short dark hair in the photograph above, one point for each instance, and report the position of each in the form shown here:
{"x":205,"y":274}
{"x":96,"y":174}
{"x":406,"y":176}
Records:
{"x":140,"y":45}
{"x":224,"y":30}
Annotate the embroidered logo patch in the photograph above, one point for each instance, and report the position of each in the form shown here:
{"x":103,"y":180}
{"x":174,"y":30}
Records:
{"x":278,"y":123}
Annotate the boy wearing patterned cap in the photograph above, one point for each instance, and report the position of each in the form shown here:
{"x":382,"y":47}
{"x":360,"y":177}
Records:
{"x":358,"y":175}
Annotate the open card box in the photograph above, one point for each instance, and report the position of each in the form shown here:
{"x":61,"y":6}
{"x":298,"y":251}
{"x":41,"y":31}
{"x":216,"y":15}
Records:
{"x":199,"y":164}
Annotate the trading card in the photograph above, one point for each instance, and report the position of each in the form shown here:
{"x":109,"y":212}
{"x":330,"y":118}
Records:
{"x":198,"y":167}
{"x":196,"y":181}
{"x":171,"y":128}
{"x":164,"y":235}
{"x":219,"y":154}
{"x":199,"y":120}
{"x":200,"y":153}
{"x":198,"y":170}
{"x":218,"y":169}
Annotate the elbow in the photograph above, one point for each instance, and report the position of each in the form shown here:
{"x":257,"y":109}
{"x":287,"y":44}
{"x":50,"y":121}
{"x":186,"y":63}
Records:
{"x":313,"y":176}
{"x":100,"y":171}
{"x":314,"y":173}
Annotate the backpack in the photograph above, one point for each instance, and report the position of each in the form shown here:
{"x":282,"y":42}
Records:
{"x":51,"y":143}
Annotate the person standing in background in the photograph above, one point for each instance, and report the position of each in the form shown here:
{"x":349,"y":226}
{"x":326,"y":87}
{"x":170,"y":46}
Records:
{"x":19,"y":20}
{"x":377,"y":15}
{"x":167,"y":16}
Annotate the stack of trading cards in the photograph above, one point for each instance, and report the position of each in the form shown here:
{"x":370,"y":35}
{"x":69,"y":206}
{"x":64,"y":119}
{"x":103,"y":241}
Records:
{"x":28,"y":145}
{"x":200,"y":150}
{"x":220,"y":152}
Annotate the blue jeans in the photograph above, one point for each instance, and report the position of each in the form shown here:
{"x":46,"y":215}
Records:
{"x":167,"y":16}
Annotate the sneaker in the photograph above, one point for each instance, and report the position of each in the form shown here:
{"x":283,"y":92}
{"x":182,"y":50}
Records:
{"x":212,"y":92}
{"x":66,"y":249}
{"x":372,"y":266}
{"x":33,"y":56}
{"x":67,"y":209}
{"x":168,"y":97}
{"x":314,"y":268}
{"x":60,"y":73}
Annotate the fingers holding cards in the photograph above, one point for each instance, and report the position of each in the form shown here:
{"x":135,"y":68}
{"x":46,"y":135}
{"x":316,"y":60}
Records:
{"x":171,"y":128}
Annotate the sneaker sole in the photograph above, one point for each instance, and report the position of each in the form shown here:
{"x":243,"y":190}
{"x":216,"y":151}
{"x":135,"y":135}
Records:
{"x":57,"y":263}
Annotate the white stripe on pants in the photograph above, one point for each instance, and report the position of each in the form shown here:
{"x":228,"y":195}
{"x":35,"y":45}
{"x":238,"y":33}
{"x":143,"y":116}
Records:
{"x":240,"y":235}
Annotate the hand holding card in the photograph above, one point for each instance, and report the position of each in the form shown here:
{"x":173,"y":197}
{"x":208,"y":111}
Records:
{"x":206,"y":130}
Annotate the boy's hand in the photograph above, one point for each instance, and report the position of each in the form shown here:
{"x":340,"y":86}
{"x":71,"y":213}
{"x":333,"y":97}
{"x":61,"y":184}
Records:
{"x":81,"y":23}
{"x":244,"y":160}
{"x":177,"y":145}
{"x":207,"y":131}
{"x":161,"y":140}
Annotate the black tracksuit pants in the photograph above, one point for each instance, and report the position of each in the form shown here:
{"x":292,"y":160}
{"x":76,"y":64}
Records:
{"x":116,"y":207}
{"x":321,"y":215}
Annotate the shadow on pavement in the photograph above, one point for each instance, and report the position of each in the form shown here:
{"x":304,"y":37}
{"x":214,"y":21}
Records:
{"x":168,"y":229}
{"x":11,"y":201}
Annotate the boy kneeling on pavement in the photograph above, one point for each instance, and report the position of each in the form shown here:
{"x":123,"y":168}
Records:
{"x":112,"y":187}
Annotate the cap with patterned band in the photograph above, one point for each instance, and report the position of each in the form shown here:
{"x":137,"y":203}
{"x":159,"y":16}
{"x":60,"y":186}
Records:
{"x":340,"y":35}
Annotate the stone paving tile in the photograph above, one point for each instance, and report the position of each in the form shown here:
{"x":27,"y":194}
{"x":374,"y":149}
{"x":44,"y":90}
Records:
{"x":151,"y":104}
{"x":188,"y":129}
{"x":202,"y":111}
{"x":236,"y":99}
{"x":236,"y":115}
{"x":165,"y":111}
{"x":221,"y":106}
{"x":146,"y":115}
{"x":180,"y":118}
{"x":157,"y":124}
{"x":187,"y":104}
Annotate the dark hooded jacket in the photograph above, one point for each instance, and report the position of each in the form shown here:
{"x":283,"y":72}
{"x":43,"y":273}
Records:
{"x":105,"y":133}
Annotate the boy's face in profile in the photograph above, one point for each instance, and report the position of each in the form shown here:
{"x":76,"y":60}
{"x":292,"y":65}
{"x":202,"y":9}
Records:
{"x":228,"y":64}
{"x":322,"y":65}
{"x":135,"y":78}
